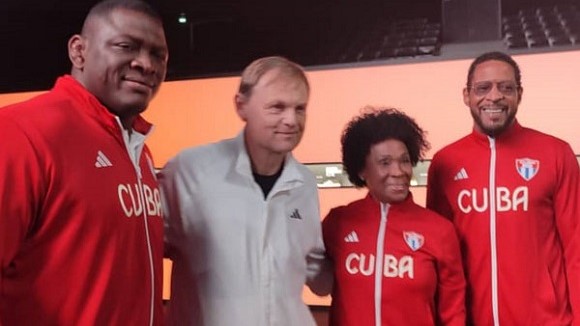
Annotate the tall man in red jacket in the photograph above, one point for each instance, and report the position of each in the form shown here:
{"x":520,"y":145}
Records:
{"x":513,"y":194}
{"x":81,"y":232}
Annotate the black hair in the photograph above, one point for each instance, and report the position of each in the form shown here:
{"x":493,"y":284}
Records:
{"x":498,"y":56}
{"x":376,"y":125}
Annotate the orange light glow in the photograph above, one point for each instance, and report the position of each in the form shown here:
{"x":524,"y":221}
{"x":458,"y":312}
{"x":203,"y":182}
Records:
{"x":194,"y":112}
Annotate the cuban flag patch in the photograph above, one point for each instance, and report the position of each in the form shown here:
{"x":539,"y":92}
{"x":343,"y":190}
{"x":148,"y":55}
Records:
{"x":414,"y":240}
{"x":527,"y":167}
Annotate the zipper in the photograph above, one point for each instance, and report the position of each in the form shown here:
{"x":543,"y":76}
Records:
{"x":380,"y":256}
{"x":149,"y":249}
{"x":135,"y":161}
{"x":492,"y":233}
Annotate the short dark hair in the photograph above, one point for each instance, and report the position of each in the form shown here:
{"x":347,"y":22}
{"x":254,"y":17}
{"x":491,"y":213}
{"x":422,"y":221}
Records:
{"x":105,"y":7}
{"x":373,"y":126}
{"x":498,"y":56}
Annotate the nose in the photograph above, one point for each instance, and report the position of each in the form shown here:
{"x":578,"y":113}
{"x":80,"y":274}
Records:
{"x":144,"y":62}
{"x":494,"y":94}
{"x":290,"y":116}
{"x":396,"y":168}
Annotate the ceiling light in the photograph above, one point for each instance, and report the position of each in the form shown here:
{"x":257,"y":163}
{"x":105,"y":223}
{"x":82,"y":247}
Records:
{"x":182,"y":19}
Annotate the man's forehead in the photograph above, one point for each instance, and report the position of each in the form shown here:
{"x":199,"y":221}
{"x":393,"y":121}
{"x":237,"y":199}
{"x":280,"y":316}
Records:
{"x":493,"y":64}
{"x":280,"y":76}
{"x":492,"y":67}
{"x":129,"y":23}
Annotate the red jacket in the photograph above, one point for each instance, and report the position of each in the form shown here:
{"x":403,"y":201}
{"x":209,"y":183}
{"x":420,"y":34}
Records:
{"x":416,"y":254}
{"x":81,"y":232}
{"x":515,"y":201}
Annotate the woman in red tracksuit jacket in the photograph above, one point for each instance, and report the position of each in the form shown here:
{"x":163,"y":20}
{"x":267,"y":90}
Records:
{"x":395,"y":263}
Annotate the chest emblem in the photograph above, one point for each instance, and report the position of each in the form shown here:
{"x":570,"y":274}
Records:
{"x":527,"y":168}
{"x":414,"y":240}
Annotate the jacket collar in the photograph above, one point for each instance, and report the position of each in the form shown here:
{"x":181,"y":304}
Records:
{"x":90,"y":104}
{"x":505,"y":136}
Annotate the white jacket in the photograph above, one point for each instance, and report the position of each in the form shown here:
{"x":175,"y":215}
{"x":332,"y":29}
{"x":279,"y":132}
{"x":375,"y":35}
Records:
{"x":239,"y":259}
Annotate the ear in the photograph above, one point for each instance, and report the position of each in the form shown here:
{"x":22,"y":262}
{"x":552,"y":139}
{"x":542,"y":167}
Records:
{"x":520,"y":93}
{"x":361,"y":176}
{"x":76,"y":51}
{"x":239,"y":101}
{"x":466,"y":96}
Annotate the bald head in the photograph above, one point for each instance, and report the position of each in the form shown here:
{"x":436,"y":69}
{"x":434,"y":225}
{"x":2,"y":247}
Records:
{"x":105,"y":8}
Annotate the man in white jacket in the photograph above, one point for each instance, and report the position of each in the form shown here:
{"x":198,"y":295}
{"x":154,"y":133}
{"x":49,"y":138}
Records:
{"x":243,"y":224}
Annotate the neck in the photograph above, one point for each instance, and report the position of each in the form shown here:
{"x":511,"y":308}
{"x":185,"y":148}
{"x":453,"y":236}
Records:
{"x":127,"y":123}
{"x":264,"y":162}
{"x":266,"y":165}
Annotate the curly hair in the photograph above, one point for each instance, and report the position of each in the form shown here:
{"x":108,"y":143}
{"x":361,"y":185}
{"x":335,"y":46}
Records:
{"x":376,"y":125}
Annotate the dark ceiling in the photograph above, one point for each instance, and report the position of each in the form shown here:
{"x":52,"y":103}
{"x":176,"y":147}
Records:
{"x":220,"y":38}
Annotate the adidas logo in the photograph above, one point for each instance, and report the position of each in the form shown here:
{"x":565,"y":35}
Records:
{"x":296,"y":215}
{"x":102,"y":160}
{"x":461,"y":175}
{"x":351,"y":237}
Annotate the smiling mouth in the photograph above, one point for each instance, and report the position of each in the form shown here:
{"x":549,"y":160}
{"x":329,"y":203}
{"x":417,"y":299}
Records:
{"x":290,"y":133}
{"x":494,"y":109}
{"x":401,"y":186}
{"x":144,"y":83}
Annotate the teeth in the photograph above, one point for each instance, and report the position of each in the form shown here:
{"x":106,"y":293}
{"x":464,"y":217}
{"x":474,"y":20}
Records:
{"x":493,"y":110}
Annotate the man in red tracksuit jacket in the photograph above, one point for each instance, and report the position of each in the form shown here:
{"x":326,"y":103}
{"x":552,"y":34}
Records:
{"x":81,"y":231}
{"x":513,"y":194}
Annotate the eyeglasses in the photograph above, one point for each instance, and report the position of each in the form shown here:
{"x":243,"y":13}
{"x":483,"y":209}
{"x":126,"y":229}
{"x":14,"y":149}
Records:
{"x":507,"y":87}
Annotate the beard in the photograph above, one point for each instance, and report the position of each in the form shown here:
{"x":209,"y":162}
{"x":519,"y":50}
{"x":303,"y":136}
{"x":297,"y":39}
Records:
{"x":493,"y":130}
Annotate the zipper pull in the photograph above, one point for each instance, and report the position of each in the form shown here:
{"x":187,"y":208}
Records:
{"x":491,"y":142}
